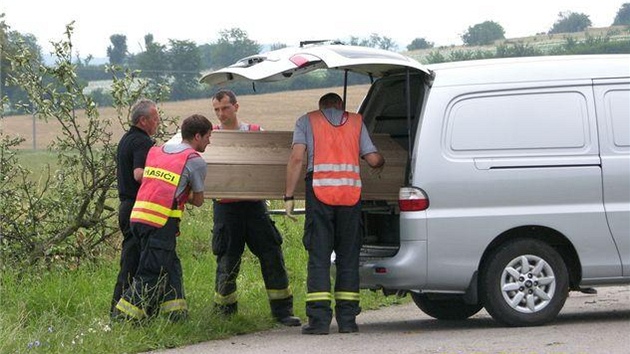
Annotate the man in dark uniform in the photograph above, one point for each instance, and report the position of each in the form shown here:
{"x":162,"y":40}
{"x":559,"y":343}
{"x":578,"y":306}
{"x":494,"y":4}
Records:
{"x":130,"y":159}
{"x":245,"y":222}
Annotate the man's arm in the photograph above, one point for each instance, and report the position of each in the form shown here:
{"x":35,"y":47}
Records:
{"x":294,"y":168}
{"x":137,"y":174}
{"x":196,"y":199}
{"x":374,"y":159}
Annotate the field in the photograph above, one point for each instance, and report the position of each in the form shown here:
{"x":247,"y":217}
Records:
{"x":543,"y":42}
{"x":275,"y":111}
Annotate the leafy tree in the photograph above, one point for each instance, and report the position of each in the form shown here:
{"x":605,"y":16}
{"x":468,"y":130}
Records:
{"x":65,"y":216}
{"x":205,"y":55}
{"x":117,"y":52}
{"x":276,"y":46}
{"x":185,"y":63}
{"x":570,"y":22}
{"x":10,"y":42}
{"x":375,"y":41}
{"x":232,"y":45}
{"x":153,"y":62}
{"x":419,"y":43}
{"x":623,"y":15}
{"x":484,"y":33}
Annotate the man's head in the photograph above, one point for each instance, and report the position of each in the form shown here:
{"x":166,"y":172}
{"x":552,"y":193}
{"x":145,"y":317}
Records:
{"x":196,"y":131}
{"x":225,"y":107}
{"x":330,"y":100}
{"x":144,"y":115}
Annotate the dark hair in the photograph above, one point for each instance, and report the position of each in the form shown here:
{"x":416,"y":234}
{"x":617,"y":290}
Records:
{"x":195,"y":124}
{"x":142,"y":108}
{"x":329,"y":100}
{"x":223,"y":93}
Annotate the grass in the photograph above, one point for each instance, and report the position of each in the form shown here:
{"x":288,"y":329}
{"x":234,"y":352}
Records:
{"x":62,"y":310}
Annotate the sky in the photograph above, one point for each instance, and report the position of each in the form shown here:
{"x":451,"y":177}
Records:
{"x":289,"y":22}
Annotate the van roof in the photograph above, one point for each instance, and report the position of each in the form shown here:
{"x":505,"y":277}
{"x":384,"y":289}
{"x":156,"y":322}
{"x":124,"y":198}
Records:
{"x":524,"y":69}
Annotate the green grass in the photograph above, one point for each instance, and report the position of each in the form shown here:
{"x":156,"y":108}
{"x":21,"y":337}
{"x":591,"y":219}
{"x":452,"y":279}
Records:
{"x":65,"y":311}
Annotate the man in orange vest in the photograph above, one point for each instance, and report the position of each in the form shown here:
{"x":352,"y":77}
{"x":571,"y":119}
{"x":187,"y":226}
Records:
{"x":173,"y":175}
{"x":245,"y":222}
{"x":333,"y":141}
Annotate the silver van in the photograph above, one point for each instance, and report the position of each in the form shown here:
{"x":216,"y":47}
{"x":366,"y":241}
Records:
{"x":514,"y":187}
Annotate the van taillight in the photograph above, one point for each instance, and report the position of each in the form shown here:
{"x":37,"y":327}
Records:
{"x":412,"y":199}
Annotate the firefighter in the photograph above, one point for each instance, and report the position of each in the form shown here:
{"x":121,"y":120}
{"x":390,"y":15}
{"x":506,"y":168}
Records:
{"x":245,"y":222}
{"x":333,"y":140}
{"x":173,"y":175}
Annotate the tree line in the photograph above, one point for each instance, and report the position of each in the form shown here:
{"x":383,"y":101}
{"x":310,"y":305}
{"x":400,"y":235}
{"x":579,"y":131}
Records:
{"x":177,"y":64}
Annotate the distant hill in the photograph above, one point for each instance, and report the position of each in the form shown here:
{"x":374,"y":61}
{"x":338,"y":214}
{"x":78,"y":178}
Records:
{"x":543,"y":41}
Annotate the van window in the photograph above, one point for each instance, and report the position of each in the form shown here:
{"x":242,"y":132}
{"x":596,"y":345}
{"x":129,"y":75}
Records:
{"x":619,"y":113}
{"x":525,"y":121}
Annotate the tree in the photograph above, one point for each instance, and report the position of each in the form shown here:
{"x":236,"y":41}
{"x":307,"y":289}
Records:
{"x":484,"y":33}
{"x":570,"y":22}
{"x":623,"y":15}
{"x":185,"y":63}
{"x":419,"y":43}
{"x":233,"y":44}
{"x":10,"y":43}
{"x":153,"y":62}
{"x":375,"y":41}
{"x":66,"y":215}
{"x":117,"y":52}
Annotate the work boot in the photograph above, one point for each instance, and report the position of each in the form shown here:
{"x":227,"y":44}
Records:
{"x":310,"y":329}
{"x":289,"y":321}
{"x":348,"y":328}
{"x":226,"y":310}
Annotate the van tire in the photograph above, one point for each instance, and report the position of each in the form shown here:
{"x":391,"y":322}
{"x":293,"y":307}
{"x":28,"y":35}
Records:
{"x":450,"y":307}
{"x":525,"y":283}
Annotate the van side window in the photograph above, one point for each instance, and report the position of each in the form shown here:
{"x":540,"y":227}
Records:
{"x":618,"y":109}
{"x":517,"y":122}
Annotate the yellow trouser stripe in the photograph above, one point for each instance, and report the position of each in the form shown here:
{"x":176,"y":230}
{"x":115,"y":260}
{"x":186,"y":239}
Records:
{"x":225,"y":300}
{"x":174,"y":305}
{"x":133,"y":311}
{"x":278,"y":294}
{"x":347,"y":295}
{"x":323,"y":296}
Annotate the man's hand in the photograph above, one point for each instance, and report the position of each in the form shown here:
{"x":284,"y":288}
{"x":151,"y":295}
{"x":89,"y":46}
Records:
{"x":289,"y":206}
{"x":375,"y":172}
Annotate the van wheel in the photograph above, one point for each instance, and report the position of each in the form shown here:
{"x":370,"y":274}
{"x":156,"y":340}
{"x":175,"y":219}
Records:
{"x":525,"y":283}
{"x":451,"y":307}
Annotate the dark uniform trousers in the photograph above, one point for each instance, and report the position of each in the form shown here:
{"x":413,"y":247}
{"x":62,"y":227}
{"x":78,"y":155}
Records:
{"x":330,"y":228}
{"x":241,"y":223}
{"x":129,"y":255}
{"x":158,"y":284}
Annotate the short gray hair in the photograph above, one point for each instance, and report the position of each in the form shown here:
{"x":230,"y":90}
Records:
{"x":142,"y":108}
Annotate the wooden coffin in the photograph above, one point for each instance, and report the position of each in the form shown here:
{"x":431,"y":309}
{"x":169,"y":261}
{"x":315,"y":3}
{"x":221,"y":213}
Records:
{"x":252,"y":165}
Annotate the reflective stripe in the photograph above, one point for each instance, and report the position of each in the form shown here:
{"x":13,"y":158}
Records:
{"x":346,"y":295}
{"x":332,"y":167}
{"x":174,"y":305}
{"x":139,"y":204}
{"x":323,"y":296}
{"x":336,"y":182}
{"x":161,"y":174}
{"x":275,"y":294}
{"x":225,"y":300}
{"x":131,"y":310}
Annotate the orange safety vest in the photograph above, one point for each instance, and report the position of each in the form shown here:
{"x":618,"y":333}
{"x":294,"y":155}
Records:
{"x":336,"y":175}
{"x":156,"y":201}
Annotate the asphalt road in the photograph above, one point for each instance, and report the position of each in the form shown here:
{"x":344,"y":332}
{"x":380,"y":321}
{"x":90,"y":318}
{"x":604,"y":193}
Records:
{"x":597,"y":323}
